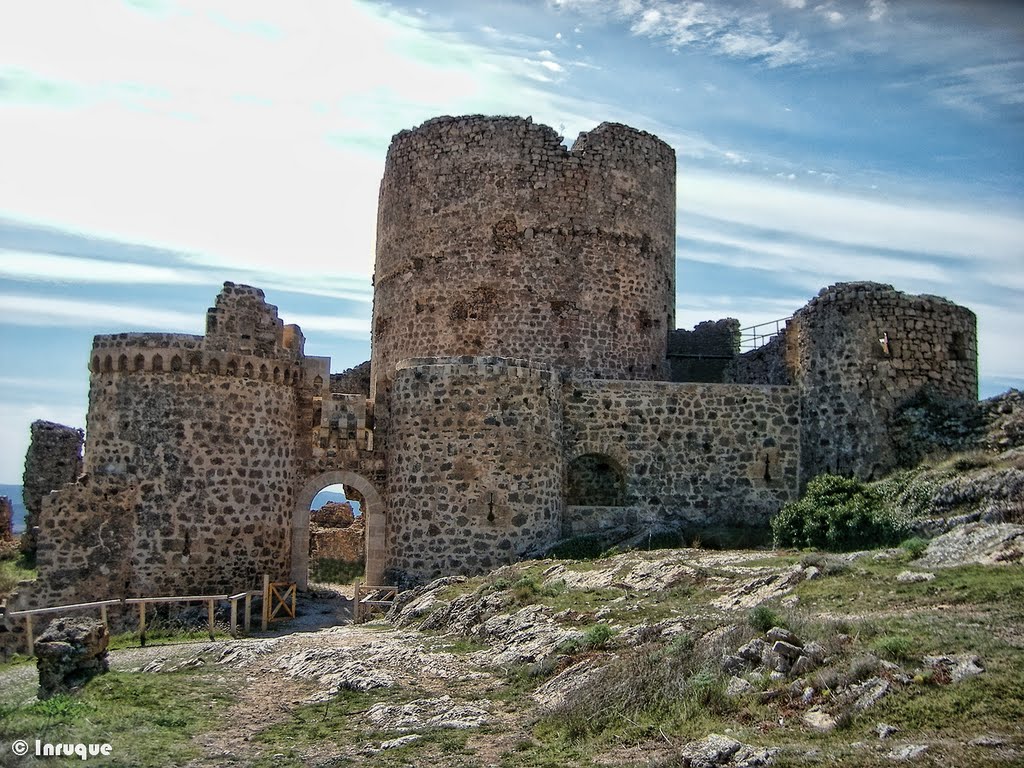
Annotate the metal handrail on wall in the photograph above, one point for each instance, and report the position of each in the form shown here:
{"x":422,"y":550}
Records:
{"x":756,"y":336}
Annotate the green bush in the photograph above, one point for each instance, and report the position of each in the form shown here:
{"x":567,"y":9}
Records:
{"x":839,"y":514}
{"x":762,"y":618}
{"x":915,"y":546}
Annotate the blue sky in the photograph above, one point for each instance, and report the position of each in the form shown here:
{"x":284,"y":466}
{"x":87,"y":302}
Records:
{"x":151,"y":149}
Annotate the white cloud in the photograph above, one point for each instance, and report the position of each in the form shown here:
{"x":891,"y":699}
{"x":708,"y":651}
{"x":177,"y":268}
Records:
{"x":795,"y":3}
{"x":877,"y":10}
{"x":979,"y":235}
{"x":45,"y":267}
{"x":24,"y":309}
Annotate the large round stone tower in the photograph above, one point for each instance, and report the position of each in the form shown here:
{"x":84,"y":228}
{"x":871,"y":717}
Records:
{"x":494,"y":239}
{"x":505,"y":260}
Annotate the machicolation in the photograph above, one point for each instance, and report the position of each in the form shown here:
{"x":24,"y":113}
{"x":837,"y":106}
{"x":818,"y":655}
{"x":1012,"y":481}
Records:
{"x":526,"y":384}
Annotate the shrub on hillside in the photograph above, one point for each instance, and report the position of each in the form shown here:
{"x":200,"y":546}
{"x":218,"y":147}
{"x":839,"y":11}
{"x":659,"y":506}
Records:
{"x":839,"y":514}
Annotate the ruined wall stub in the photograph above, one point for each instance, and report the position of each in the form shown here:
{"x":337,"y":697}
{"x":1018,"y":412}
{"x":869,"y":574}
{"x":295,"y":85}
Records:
{"x":53,"y":460}
{"x":494,"y":239}
{"x":857,"y":352}
{"x":6,"y":519}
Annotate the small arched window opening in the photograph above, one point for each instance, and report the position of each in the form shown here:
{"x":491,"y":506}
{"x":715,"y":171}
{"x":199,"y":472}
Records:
{"x":264,"y":373}
{"x":214,"y":367}
{"x":158,"y":363}
{"x":175,"y":363}
{"x":195,"y":364}
{"x":232,"y":368}
{"x":140,"y":363}
{"x":595,"y":480}
{"x":108,"y":364}
{"x":122,"y":363}
{"x":96,"y":364}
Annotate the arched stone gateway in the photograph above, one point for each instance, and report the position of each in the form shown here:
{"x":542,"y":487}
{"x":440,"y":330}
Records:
{"x":373,"y":514}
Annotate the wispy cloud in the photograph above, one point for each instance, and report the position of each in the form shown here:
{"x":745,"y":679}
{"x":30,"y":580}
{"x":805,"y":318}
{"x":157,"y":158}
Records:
{"x":33,"y":310}
{"x":45,"y":267}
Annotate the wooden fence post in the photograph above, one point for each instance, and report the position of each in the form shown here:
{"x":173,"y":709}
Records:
{"x":248,"y":611}
{"x":209,"y":616}
{"x":142,"y":624}
{"x":266,"y":600}
{"x":234,"y":617}
{"x":355,"y":604}
{"x":28,"y":636}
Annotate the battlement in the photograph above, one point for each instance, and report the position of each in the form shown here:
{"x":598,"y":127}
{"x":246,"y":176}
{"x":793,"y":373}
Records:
{"x":245,"y":338}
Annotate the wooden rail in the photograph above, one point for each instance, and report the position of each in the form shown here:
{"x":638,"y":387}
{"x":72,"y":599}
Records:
{"x":375,"y":597}
{"x":269,"y":589}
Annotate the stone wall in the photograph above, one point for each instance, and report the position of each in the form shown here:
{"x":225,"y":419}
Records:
{"x":475,"y":465}
{"x":54,"y":459}
{"x":706,"y":454}
{"x":494,"y":239}
{"x":353,"y":381}
{"x":345,"y":544}
{"x":705,"y":354}
{"x":6,"y":519}
{"x":857,"y":353}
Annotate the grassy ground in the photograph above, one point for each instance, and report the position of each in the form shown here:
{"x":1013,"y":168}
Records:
{"x":653,"y":693}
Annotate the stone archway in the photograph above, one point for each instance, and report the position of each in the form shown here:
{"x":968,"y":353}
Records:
{"x":373,"y":513}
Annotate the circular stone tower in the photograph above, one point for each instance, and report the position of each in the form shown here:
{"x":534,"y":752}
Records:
{"x":494,"y":239}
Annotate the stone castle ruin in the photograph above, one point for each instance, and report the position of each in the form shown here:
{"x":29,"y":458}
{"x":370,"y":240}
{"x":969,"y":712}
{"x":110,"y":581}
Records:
{"x":527,"y":384}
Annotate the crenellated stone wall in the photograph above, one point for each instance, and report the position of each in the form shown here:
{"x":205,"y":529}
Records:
{"x":857,"y":352}
{"x":494,"y":239}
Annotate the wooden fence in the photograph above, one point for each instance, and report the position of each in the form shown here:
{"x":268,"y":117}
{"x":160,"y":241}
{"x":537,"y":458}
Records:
{"x":368,"y":599}
{"x":278,"y":603}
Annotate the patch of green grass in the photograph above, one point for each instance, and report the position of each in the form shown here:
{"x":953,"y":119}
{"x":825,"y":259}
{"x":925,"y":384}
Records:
{"x":14,"y":567}
{"x":762,"y":618}
{"x":149,"y":719}
{"x":894,"y":647}
{"x":914,"y":546}
{"x":325,"y":570}
{"x":596,"y":637}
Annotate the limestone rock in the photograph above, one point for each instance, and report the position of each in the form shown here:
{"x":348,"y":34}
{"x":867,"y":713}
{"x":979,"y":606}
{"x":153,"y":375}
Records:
{"x":442,"y":712}
{"x":913,"y":577}
{"x":958,"y":665}
{"x":909,"y":752}
{"x":982,"y":543}
{"x":784,"y":635}
{"x":819,"y":721}
{"x":716,"y":750}
{"x":69,"y":653}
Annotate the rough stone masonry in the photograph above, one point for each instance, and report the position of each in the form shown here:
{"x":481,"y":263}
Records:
{"x":526,"y":384}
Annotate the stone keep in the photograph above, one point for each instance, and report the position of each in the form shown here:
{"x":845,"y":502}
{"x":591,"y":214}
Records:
{"x":526,"y":384}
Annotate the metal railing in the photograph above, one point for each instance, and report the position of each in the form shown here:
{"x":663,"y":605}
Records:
{"x":756,"y":336}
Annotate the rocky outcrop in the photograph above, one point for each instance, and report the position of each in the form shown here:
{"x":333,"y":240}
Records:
{"x":975,"y":543}
{"x":70,"y":653}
